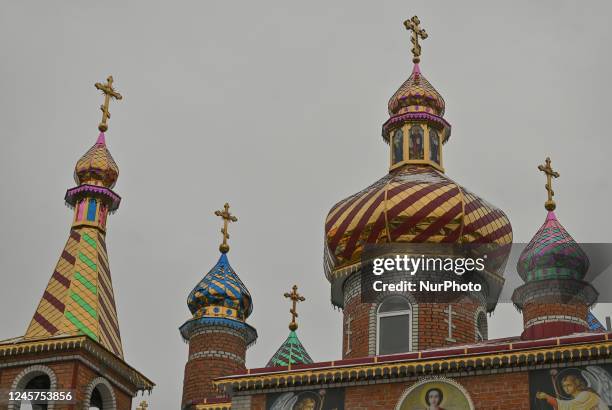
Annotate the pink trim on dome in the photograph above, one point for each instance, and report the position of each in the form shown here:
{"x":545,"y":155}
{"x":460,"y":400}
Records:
{"x":416,"y":70}
{"x":101,"y":139}
{"x":551,"y":216}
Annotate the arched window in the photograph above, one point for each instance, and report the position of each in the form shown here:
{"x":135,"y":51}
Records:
{"x":393,"y":326}
{"x":434,"y":146}
{"x":36,"y":377}
{"x":96,"y":403}
{"x":100,"y":395}
{"x":415,"y":144}
{"x":398,"y":146}
{"x":482,"y":328}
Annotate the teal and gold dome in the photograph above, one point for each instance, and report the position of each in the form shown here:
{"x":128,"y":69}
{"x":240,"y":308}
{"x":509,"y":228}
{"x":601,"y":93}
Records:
{"x":221,"y":293}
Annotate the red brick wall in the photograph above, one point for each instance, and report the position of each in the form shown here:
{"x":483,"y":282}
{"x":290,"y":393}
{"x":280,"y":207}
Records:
{"x":360,"y":322}
{"x":71,"y":375}
{"x":199,"y":372}
{"x":492,"y":392}
{"x":432,"y":327}
{"x":258,"y":402}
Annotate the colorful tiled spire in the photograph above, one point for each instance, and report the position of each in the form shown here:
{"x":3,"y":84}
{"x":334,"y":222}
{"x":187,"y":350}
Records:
{"x":79,"y":298}
{"x":291,"y":351}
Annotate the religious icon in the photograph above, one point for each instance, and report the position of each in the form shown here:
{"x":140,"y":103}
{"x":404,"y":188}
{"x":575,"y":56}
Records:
{"x":588,"y":388}
{"x":436,"y":394}
{"x":398,"y":146}
{"x":332,"y":399}
{"x":434,"y":146}
{"x":415,"y":143}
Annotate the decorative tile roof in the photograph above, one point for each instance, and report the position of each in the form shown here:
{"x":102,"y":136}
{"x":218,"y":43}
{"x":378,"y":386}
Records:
{"x":290,"y":352}
{"x":594,"y":324}
{"x":221,"y":293}
{"x":552,"y":253}
{"x":97,"y":166}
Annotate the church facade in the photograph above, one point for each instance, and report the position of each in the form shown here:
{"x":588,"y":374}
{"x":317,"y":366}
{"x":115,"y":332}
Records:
{"x":400,"y":350}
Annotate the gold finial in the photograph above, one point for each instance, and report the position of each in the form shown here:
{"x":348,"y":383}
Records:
{"x":143,"y":405}
{"x":414,"y":25}
{"x":109,"y":92}
{"x":295,"y":298}
{"x":550,"y":173}
{"x":227,"y":218}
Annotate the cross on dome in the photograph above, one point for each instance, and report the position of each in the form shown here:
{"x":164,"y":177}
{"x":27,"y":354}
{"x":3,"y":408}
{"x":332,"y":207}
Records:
{"x":109,"y":92}
{"x":295,"y":298}
{"x":414,"y":25}
{"x":550,"y":204}
{"x":227,"y":218}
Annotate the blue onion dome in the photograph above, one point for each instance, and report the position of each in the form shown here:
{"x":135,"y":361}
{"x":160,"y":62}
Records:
{"x":552,"y":254}
{"x":221,"y":294}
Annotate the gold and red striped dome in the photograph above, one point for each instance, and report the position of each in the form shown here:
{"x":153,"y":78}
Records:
{"x":416,"y":95}
{"x":97,"y":166}
{"x":412,"y":204}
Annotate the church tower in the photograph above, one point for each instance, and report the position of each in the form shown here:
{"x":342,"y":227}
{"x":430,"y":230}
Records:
{"x":415,"y":203}
{"x":73,"y":340}
{"x":217,"y":333}
{"x":555,"y":299}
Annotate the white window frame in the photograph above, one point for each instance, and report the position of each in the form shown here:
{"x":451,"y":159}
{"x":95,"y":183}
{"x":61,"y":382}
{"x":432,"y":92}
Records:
{"x":393,"y":313}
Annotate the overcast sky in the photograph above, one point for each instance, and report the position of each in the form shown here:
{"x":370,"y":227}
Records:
{"x":276,"y":107}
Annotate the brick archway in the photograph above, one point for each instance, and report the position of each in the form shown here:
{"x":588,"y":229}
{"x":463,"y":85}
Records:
{"x":26,"y":376}
{"x":106,"y":391}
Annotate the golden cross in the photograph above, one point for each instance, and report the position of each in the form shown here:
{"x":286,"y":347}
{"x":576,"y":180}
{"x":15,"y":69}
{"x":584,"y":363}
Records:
{"x":295,"y":298}
{"x":414,"y":25}
{"x":227,"y":218}
{"x":143,"y":405}
{"x":109,"y":92}
{"x":550,"y":173}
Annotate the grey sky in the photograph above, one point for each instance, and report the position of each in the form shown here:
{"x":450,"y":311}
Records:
{"x":277,"y":107}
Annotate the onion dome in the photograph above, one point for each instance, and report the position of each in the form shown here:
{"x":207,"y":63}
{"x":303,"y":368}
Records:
{"x":412,"y":204}
{"x":416,"y":95}
{"x":220,"y":293}
{"x":552,"y":254}
{"x":291,"y":352}
{"x":97,"y":166}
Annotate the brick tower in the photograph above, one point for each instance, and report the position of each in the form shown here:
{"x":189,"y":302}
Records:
{"x":414,"y":207}
{"x":218,"y":334}
{"x":73,"y":341}
{"x":555,"y":299}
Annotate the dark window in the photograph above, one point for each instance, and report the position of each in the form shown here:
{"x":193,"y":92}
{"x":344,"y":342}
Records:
{"x":96,"y":400}
{"x":394,"y":325}
{"x":41,"y":382}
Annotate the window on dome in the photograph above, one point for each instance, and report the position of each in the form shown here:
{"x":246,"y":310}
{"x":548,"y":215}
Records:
{"x":398,"y":146}
{"x":415,"y":144}
{"x":434,"y":146}
{"x":482,"y":329}
{"x":393,"y":326}
{"x":91,"y":210}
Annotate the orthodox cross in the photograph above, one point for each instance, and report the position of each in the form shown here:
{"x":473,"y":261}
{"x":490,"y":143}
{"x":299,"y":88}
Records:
{"x":227,"y":218}
{"x":109,"y":92}
{"x":450,"y":313}
{"x":295,"y":298}
{"x":348,"y":333}
{"x":143,"y":405}
{"x":414,"y":25}
{"x":550,"y":174}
